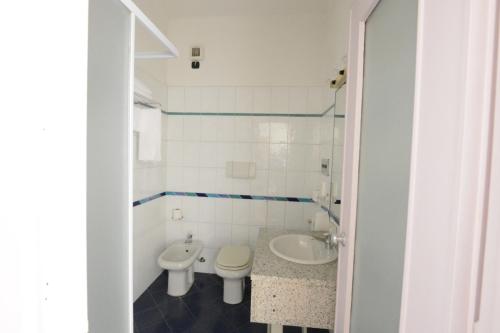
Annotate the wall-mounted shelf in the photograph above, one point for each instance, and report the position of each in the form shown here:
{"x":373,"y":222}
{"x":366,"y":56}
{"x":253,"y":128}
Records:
{"x":170,"y":52}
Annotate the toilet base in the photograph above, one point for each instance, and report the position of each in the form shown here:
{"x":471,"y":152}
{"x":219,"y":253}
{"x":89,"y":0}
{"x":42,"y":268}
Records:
{"x":180,"y":281}
{"x":234,"y":290}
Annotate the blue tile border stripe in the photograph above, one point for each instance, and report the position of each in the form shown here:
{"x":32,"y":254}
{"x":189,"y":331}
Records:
{"x":220,"y":196}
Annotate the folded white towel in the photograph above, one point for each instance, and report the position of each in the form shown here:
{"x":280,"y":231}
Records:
{"x":147,"y":122}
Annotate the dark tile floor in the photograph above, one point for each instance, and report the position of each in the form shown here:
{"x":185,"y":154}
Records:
{"x":200,"y":310}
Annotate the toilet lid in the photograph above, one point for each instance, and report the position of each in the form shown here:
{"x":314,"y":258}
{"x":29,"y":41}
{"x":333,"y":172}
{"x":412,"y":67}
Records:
{"x":233,"y":256}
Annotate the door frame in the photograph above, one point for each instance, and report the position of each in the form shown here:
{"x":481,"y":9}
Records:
{"x":360,"y":12}
{"x":452,"y":136}
{"x":450,"y":164}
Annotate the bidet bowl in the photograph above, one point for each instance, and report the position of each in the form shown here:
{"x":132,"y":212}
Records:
{"x":302,"y":249}
{"x":180,"y":255}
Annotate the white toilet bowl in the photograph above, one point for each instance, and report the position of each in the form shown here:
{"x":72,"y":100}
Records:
{"x":178,"y":259}
{"x":233,"y":263}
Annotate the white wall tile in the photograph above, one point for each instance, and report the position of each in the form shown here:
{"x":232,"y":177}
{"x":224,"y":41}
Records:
{"x":258,"y":212}
{"x":222,"y":234}
{"x":315,"y":100}
{"x":206,"y":234}
{"x":262,"y":100}
{"x":294,"y":216}
{"x":193,"y":99}
{"x":298,"y":130}
{"x":208,"y":129}
{"x":176,"y":99}
{"x":223,"y":211}
{"x":227,"y":99}
{"x":191,"y":209}
{"x":173,"y":232}
{"x":209,"y":255}
{"x":241,"y":186}
{"x":208,"y":154}
{"x":311,"y":183}
{"x":209,"y":99}
{"x":278,"y":130}
{"x":207,"y":210}
{"x":296,"y":157}
{"x":260,"y":155}
{"x":164,"y":127}
{"x":280,"y":100}
{"x":190,"y":179}
{"x":277,"y":183}
{"x":253,"y":233}
{"x":175,"y":128}
{"x":175,"y":177}
{"x":314,"y":126}
{"x":207,"y":182}
{"x":223,"y":184}
{"x":174,"y":153}
{"x":295,"y":183}
{"x":298,"y":100}
{"x":239,"y":234}
{"x":191,"y":154}
{"x":275,"y":214}
{"x":241,"y":211}
{"x":278,"y":157}
{"x":192,"y":126}
{"x":244,"y":100}
{"x":224,"y":153}
{"x":225,"y":128}
{"x":259,"y":185}
{"x":243,"y":129}
{"x":312,"y":159}
{"x":261,"y":129}
{"x":338,"y":132}
{"x":243,"y":152}
{"x":328,"y":97}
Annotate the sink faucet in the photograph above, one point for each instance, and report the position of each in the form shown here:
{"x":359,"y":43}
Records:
{"x":189,"y":238}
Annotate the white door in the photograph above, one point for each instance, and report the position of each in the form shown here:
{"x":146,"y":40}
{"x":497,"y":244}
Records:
{"x":381,"y":76}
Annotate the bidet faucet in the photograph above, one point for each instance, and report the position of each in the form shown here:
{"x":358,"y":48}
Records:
{"x":189,"y":238}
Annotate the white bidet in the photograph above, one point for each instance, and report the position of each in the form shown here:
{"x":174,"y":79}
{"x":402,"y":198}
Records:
{"x":178,"y":259}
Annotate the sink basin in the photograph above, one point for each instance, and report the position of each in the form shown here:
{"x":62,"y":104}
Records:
{"x":302,"y":249}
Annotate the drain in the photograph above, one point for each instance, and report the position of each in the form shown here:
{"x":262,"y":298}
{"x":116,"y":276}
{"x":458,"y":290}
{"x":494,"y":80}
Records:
{"x":202,"y":259}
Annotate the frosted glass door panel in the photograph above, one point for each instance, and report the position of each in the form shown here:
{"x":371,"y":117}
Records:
{"x":386,"y":126}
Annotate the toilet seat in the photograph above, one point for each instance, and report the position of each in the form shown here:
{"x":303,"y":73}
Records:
{"x":234,"y":258}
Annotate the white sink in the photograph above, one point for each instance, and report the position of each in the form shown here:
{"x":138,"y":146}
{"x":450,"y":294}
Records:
{"x":302,"y":249}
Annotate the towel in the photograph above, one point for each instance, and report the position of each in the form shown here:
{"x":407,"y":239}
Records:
{"x":147,"y":122}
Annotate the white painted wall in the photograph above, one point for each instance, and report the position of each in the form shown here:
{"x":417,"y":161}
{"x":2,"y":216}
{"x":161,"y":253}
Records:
{"x":250,"y":42}
{"x":108,"y":167}
{"x":43,"y":143}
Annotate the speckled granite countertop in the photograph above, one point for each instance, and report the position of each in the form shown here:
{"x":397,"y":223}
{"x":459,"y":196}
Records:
{"x":266,"y":265}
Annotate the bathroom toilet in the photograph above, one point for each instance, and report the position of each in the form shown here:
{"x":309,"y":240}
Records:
{"x":233,"y":263}
{"x":178,"y":259}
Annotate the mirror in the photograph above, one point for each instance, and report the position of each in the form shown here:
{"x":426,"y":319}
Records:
{"x":337,"y":152}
